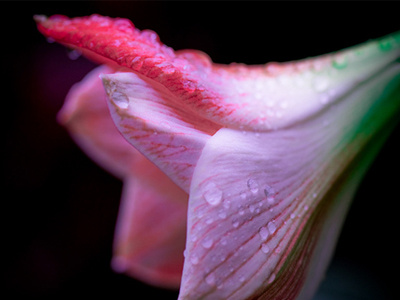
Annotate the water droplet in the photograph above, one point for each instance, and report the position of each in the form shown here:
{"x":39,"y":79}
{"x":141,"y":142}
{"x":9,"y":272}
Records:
{"x":305,"y":207}
{"x":271,"y":227}
{"x":194,"y":260}
{"x":252,"y":207}
{"x":209,"y":220}
{"x":292,"y":215}
{"x":235,"y":224}
{"x":242,"y":278}
{"x":222,"y":214}
{"x":264,"y":248}
{"x":121,"y":100}
{"x":185,"y":253}
{"x":340,"y":62}
{"x":207,"y":243}
{"x":271,"y":278}
{"x":252,"y":185}
{"x":314,"y":195}
{"x":243,"y":195}
{"x":321,"y":84}
{"x":241,"y":210}
{"x":74,"y":54}
{"x":263,"y":232}
{"x":212,"y":194}
{"x":210,"y":279}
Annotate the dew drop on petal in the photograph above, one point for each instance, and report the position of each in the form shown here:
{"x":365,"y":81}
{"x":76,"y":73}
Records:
{"x":222,"y":214}
{"x":212,"y":194}
{"x":263,"y":232}
{"x":207,"y":243}
{"x":271,"y":227}
{"x":271,"y":278}
{"x":210,"y":279}
{"x":253,"y":185}
{"x":235,"y":224}
{"x":121,"y":100}
{"x":321,"y":84}
{"x":264,"y":248}
{"x":252,"y":207}
{"x":194,"y":260}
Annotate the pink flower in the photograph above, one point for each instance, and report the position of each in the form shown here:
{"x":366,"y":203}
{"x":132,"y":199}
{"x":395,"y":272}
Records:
{"x":269,"y":156}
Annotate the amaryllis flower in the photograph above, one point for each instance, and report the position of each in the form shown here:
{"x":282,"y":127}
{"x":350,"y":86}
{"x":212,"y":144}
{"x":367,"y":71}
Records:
{"x":253,"y":166}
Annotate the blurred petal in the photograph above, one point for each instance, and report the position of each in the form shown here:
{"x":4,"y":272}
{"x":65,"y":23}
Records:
{"x":283,"y":200}
{"x":156,"y":123}
{"x":151,"y":231}
{"x":87,"y":117}
{"x":150,"y":235}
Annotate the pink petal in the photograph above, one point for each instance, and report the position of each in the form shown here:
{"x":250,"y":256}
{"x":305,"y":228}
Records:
{"x":263,"y":220}
{"x":154,"y":121}
{"x":151,"y":230}
{"x":259,"y":97}
{"x":87,"y":117}
{"x":150,"y":235}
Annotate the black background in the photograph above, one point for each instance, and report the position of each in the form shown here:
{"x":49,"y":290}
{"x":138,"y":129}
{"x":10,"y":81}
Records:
{"x":60,"y":208}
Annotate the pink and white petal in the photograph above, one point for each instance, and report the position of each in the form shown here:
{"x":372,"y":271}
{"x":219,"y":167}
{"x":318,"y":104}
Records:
{"x":259,"y":215}
{"x":278,"y":95}
{"x":151,"y":118}
{"x":148,"y":244}
{"x":151,"y":230}
{"x":260,"y":97}
{"x":86,"y":115}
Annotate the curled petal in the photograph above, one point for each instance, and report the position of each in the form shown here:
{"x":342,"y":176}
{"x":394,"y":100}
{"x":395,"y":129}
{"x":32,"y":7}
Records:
{"x":87,"y":117}
{"x":151,"y":202}
{"x":151,"y":231}
{"x":154,"y":121}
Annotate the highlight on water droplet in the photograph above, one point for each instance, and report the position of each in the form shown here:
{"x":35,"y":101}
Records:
{"x":264,"y":233}
{"x":210,"y":279}
{"x":194,"y":260}
{"x":271,"y":227}
{"x":235,"y":224}
{"x":272,"y":278}
{"x":120,"y":99}
{"x":74,"y":54}
{"x":253,"y":185}
{"x":207,"y":243}
{"x":321,"y":84}
{"x":212,"y":194}
{"x":264,"y":248}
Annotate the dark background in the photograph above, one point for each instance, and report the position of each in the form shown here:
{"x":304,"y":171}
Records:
{"x":60,"y":208}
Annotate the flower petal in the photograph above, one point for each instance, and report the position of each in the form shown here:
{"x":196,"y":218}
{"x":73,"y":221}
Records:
{"x":150,"y":234}
{"x":151,"y":230}
{"x":260,"y":97}
{"x":87,"y":117}
{"x":263,"y":219}
{"x":155,"y":122}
